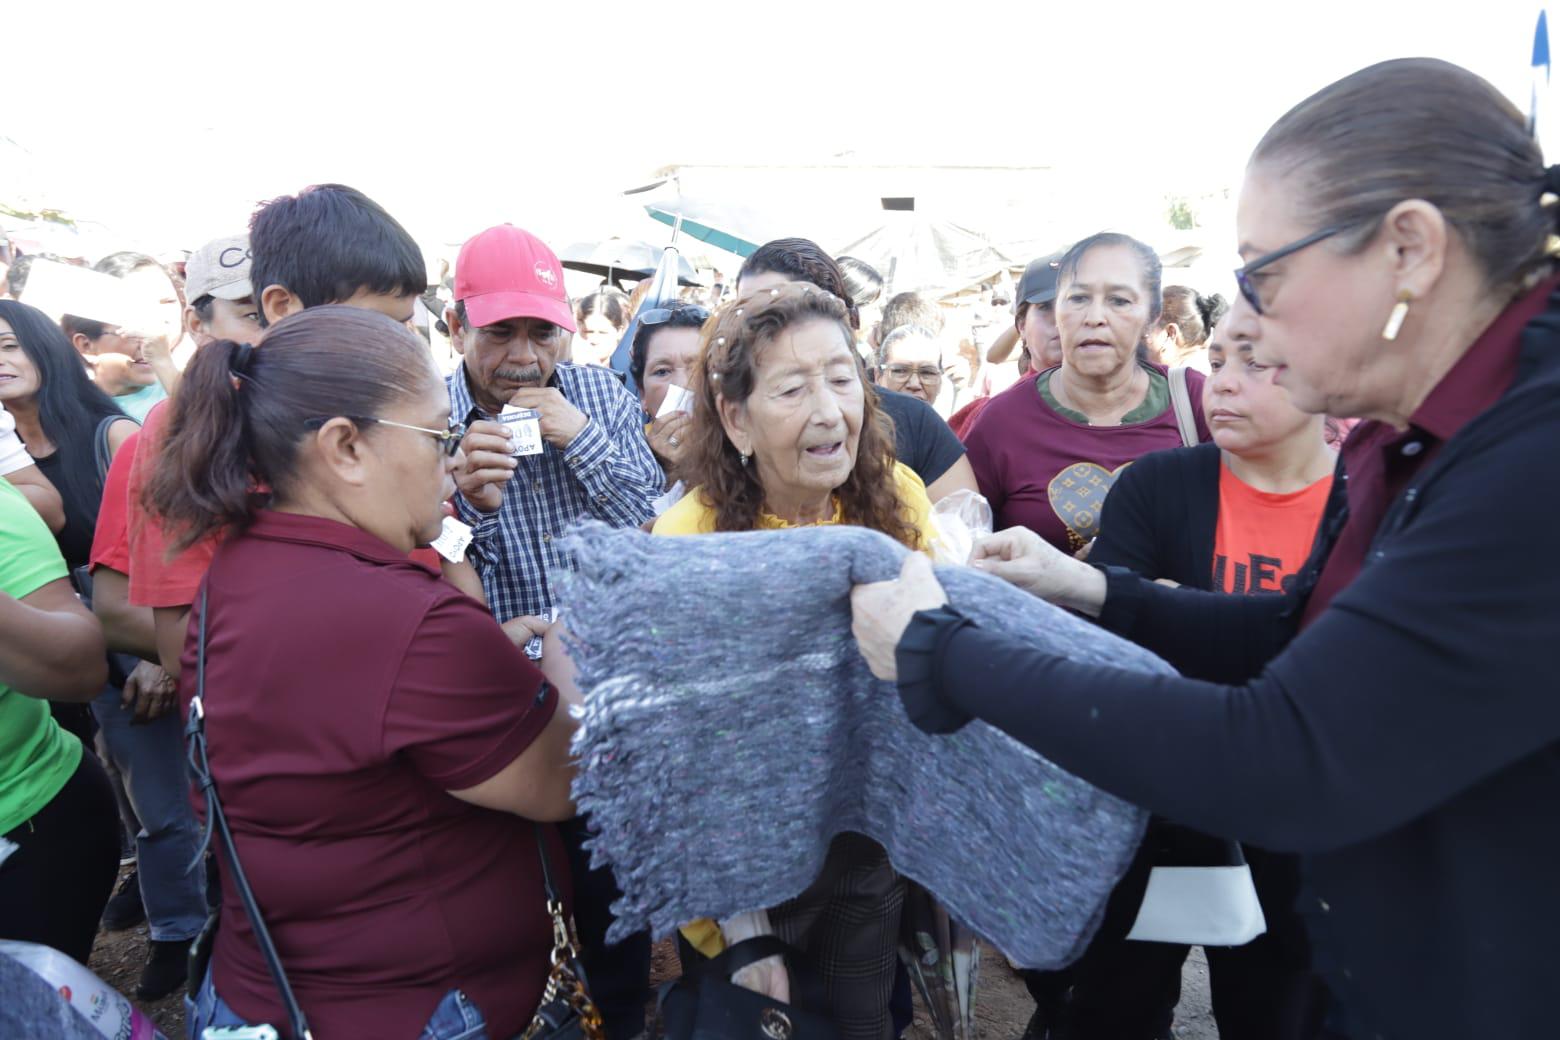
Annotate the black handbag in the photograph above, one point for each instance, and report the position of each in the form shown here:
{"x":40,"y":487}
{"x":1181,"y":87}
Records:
{"x":566,"y":1011}
{"x":706,"y":1005}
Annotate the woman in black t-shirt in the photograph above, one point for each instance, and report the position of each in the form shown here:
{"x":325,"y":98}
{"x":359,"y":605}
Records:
{"x":63,"y":418}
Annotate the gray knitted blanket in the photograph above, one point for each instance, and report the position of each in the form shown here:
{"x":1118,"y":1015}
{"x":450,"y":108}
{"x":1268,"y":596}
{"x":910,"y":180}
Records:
{"x":731,"y":729}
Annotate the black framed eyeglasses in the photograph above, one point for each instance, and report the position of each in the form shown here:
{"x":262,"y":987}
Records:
{"x":449,"y":440}
{"x":1248,"y":288}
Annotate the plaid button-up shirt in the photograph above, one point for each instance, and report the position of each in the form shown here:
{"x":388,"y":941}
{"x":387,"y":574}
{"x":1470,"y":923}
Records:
{"x":607,"y":473}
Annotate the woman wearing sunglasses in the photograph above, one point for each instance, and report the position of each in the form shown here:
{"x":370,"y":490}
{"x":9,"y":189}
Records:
{"x":1392,"y":718}
{"x":661,"y":358}
{"x":378,"y":743}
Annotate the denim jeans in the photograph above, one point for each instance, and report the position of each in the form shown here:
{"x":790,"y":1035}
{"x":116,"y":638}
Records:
{"x":150,"y":757}
{"x":456,"y":1017}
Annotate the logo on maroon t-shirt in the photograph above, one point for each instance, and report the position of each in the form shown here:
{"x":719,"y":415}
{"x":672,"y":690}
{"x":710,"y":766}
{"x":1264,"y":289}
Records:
{"x":1077,"y":493}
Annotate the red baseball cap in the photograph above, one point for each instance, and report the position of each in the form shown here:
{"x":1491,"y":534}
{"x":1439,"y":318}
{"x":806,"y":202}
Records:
{"x":506,"y":272}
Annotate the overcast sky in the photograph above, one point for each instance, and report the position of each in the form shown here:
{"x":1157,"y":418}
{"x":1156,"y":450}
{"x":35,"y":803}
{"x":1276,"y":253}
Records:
{"x":170,"y":120}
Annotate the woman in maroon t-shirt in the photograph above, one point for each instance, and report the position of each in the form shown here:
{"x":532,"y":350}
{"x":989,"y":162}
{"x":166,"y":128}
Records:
{"x":1047,"y":450}
{"x":379,"y":745}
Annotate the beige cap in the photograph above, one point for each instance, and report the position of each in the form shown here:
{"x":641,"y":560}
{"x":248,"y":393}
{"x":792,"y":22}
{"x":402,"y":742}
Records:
{"x":219,"y":268}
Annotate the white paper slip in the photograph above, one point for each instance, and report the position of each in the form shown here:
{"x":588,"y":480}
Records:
{"x":677,"y":400}
{"x":526,"y":426}
{"x":453,"y":540}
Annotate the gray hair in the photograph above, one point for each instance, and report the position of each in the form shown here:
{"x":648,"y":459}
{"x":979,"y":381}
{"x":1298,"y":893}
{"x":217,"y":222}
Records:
{"x":904,"y":332}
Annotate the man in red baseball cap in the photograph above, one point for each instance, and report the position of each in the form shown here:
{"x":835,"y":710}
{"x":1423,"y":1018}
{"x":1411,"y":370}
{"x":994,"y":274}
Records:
{"x":548,"y":443}
{"x":520,"y":492}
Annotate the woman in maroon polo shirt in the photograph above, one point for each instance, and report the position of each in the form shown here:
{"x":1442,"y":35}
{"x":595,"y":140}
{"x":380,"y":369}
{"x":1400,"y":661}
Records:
{"x":1393,"y":717}
{"x":379,"y":744}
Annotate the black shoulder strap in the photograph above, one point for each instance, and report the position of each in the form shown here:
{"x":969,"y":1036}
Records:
{"x":102,"y":453}
{"x":216,"y":820}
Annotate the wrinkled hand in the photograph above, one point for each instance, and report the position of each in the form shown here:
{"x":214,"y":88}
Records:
{"x":149,"y":693}
{"x":881,"y":611}
{"x":561,"y":421}
{"x":487,"y":465}
{"x":1020,"y":557}
{"x":521,"y":630}
{"x":669,"y":436}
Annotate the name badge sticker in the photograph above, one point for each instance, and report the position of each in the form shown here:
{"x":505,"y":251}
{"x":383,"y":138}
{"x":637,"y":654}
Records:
{"x":525,"y":424}
{"x":452,"y":541}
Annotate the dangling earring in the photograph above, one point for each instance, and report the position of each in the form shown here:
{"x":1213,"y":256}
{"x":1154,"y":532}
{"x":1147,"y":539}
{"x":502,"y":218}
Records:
{"x":745,"y":457}
{"x":1396,"y":318}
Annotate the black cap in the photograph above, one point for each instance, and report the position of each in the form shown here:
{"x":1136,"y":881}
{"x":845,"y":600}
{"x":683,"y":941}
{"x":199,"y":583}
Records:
{"x":1038,"y":285}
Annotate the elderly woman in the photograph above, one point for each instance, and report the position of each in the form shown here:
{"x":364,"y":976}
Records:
{"x":922,"y":440}
{"x":664,"y":355}
{"x":785,"y":433}
{"x":381,"y":748}
{"x":1047,"y":452}
{"x":1392,"y":719}
{"x":909,"y":360}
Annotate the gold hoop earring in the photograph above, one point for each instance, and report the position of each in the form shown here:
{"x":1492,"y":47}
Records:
{"x":1396,"y":318}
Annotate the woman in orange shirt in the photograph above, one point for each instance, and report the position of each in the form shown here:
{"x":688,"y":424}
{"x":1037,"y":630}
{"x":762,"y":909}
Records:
{"x":1238,"y":516}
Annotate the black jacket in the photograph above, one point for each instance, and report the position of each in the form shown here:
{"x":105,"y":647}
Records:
{"x":1407,"y":743}
{"x":1161,"y":518}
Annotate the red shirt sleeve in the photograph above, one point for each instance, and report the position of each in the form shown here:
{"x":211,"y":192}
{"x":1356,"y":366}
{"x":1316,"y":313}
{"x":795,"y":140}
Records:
{"x":156,"y":580}
{"x":467,"y":701}
{"x":111,"y":540}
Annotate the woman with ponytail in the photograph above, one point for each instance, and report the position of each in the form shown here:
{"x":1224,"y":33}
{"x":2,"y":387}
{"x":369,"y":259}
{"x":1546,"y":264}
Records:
{"x":379,"y":744}
{"x":1391,"y":716}
{"x":1179,"y":336}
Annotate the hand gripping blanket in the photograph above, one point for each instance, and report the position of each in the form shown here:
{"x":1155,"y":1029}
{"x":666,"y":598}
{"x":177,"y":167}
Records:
{"x":731,"y":728}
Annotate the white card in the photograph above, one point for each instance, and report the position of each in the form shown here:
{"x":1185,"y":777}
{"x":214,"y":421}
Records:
{"x":453,"y":540}
{"x":57,"y":289}
{"x":525,"y":424}
{"x":677,"y":400}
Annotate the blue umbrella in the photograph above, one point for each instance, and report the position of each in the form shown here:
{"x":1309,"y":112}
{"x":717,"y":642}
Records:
{"x":1540,"y":62}
{"x":731,"y":228}
{"x":662,"y":293}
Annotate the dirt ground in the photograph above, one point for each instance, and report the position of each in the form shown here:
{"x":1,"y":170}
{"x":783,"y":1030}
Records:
{"x":1002,"y":1010}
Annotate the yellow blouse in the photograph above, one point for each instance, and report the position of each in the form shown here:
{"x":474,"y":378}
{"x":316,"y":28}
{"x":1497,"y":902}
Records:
{"x":693,"y":515}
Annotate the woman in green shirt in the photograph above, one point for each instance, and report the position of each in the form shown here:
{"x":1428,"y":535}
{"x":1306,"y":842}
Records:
{"x":59,"y":838}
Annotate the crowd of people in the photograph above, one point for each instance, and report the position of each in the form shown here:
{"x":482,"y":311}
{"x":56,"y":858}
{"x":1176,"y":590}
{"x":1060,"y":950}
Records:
{"x":267,"y":526}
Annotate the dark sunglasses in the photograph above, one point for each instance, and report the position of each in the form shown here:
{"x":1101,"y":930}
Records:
{"x":1248,"y":288}
{"x":662,"y":315}
{"x":449,"y":440}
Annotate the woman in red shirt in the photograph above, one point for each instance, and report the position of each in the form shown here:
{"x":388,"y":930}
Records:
{"x":379,"y":745}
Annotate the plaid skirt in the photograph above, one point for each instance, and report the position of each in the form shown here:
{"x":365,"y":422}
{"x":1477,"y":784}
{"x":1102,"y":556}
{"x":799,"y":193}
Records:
{"x":847,"y":923}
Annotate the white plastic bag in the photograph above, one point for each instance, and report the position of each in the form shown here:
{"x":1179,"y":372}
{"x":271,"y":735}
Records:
{"x":93,"y":999}
{"x":959,"y":520}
